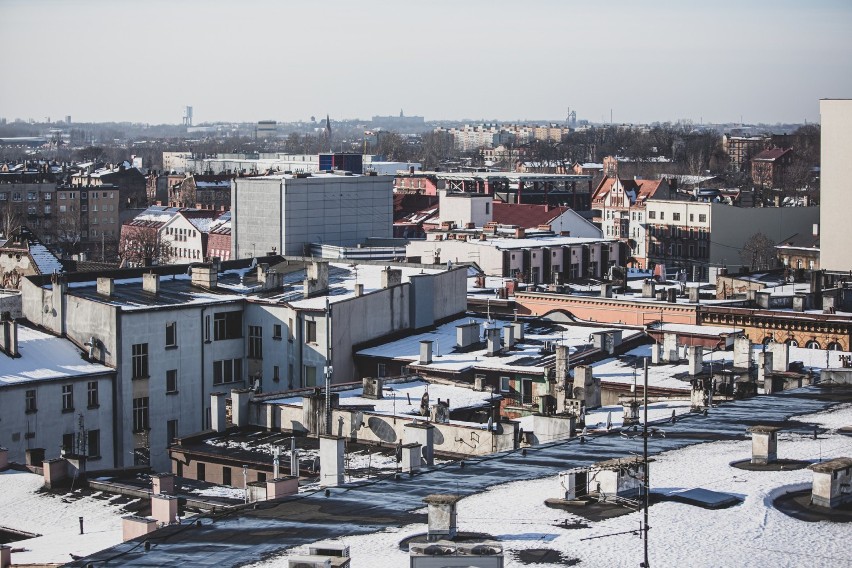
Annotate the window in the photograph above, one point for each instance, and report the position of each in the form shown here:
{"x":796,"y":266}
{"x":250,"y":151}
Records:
{"x":171,"y":381}
{"x":310,"y":376}
{"x":171,"y":334}
{"x":487,"y":208}
{"x":67,"y":398}
{"x":93,"y":444}
{"x":30,"y":401}
{"x":207,"y":329}
{"x":652,"y":214}
{"x":68,"y":445}
{"x":171,"y":430}
{"x":310,"y":332}
{"x":255,"y":342}
{"x":676,"y":216}
{"x":201,"y":471}
{"x":48,"y":196}
{"x":140,"y":414}
{"x":140,"y":360}
{"x":702,"y":218}
{"x":227,"y":371}
{"x":505,"y":384}
{"x":261,"y":476}
{"x":691,"y":217}
{"x":276,"y":373}
{"x":662,"y":215}
{"x":381,"y":370}
{"x":226,"y":475}
{"x":227,"y":325}
{"x":92,"y":398}
{"x":276,"y":331}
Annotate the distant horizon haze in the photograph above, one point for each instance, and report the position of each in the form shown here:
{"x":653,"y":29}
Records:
{"x":657,"y":61}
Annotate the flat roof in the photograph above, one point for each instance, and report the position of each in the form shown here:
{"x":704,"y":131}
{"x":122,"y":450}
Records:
{"x":526,"y":356}
{"x":45,"y":357}
{"x":241,"y":283}
{"x":242,"y":538}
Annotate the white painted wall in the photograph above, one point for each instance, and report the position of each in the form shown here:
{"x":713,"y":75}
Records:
{"x":835,"y":179}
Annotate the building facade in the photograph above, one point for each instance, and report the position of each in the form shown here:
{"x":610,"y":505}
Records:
{"x":286,"y":213}
{"x":835,"y":173}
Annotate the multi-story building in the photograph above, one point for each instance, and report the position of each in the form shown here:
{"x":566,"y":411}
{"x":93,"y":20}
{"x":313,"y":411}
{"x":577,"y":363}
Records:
{"x":535,"y":257}
{"x":166,"y":235}
{"x":693,"y":235}
{"x":202,"y":192}
{"x":173,"y":338}
{"x":54,"y":399}
{"x":741,"y":149}
{"x":622,"y":204}
{"x":287,"y":212}
{"x":769,"y":166}
{"x":835,"y":173}
{"x":30,"y":204}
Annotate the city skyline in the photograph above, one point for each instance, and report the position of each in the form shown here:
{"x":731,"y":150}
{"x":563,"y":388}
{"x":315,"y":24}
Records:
{"x":103,"y":61}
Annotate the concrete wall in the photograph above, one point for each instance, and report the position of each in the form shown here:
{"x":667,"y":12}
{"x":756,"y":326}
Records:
{"x":449,"y":438}
{"x":835,"y":173}
{"x":465,"y":208}
{"x":290,"y":213}
{"x":45,"y":427}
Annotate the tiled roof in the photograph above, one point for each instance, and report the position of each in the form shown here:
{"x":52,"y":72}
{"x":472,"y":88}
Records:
{"x":772,"y":154}
{"x":643,"y":188}
{"x":526,"y":216}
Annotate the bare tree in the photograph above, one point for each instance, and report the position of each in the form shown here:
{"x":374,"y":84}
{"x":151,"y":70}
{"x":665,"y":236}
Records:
{"x":759,"y":253}
{"x":11,"y":218}
{"x":142,"y":246}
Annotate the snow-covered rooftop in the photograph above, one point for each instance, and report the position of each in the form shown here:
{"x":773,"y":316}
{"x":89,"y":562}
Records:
{"x":526,"y":356}
{"x":44,"y":357}
{"x":403,"y":399}
{"x":53,"y":516}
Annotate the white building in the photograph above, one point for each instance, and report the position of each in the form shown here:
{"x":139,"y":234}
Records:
{"x":535,"y":257}
{"x":54,"y":399}
{"x":174,"y":338}
{"x":835,"y":174}
{"x":286,"y":213}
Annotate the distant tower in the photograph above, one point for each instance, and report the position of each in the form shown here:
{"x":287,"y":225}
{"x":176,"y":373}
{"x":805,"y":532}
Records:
{"x":572,"y":118}
{"x":187,"y":116}
{"x":400,"y":114}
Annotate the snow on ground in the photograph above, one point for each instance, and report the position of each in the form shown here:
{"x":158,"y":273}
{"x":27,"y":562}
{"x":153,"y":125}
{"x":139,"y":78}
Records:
{"x":23,"y":508}
{"x":752,"y":534}
{"x":222,"y":491}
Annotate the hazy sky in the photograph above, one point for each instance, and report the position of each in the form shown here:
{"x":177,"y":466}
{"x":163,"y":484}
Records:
{"x":248,"y":60}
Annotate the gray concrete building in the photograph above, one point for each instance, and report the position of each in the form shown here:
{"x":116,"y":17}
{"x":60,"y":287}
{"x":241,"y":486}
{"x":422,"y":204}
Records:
{"x":176,"y":334}
{"x":836,"y":178}
{"x":284,"y":214}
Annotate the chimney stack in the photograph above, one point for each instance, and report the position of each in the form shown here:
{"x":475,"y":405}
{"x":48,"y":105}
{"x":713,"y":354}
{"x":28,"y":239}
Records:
{"x":151,"y":283}
{"x":442,"y":516}
{"x":425,"y":352}
{"x":106,"y":287}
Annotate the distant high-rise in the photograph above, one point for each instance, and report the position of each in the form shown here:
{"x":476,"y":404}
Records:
{"x":187,"y":116}
{"x":835,"y":172}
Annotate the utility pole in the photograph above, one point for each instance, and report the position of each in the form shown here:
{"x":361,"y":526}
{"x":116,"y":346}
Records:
{"x":328,"y":368}
{"x":645,"y":527}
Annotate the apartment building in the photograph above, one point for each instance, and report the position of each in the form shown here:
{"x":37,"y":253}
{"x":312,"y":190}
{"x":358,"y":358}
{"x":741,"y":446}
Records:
{"x":175,"y":334}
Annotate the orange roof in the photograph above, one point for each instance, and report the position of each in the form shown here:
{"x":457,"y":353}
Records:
{"x":643,"y":188}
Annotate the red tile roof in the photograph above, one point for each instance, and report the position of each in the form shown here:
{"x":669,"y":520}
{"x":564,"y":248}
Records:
{"x":644,"y":188}
{"x":526,"y":216}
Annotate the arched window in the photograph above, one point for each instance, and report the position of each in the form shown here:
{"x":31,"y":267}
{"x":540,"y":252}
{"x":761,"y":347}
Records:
{"x":768,"y":339}
{"x":812,"y":344}
{"x":792,"y":343}
{"x":834,"y":346}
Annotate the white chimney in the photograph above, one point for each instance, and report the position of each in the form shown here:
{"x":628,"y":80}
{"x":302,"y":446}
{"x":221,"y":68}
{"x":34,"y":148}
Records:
{"x":425,"y":352}
{"x":151,"y":283}
{"x":816,"y":229}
